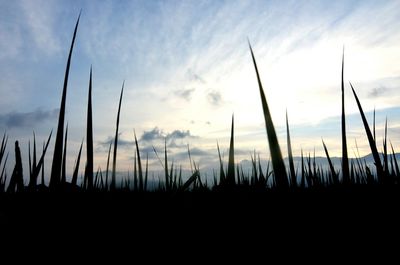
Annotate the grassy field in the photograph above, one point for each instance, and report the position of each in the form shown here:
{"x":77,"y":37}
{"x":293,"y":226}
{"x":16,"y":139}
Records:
{"x":354,"y":175}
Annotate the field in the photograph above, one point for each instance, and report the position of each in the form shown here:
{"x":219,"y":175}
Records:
{"x":276,"y":196}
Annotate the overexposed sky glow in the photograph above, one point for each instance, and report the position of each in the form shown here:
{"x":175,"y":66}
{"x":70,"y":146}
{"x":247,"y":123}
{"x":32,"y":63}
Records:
{"x":187,"y":68}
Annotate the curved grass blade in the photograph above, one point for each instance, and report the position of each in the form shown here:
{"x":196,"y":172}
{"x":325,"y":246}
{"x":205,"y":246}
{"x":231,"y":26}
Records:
{"x":139,"y":164}
{"x":230,"y":177}
{"x":76,"y":169}
{"x":221,"y":169}
{"x":64,"y":160}
{"x":333,"y":172}
{"x":167,"y":178}
{"x":190,"y":180}
{"x":395,"y":160}
{"x":276,"y":155}
{"x":58,"y":147}
{"x":89,"y":138}
{"x":385,"y":156}
{"x":107,"y":167}
{"x":17,"y":179}
{"x":373,"y":127}
{"x":291,"y":163}
{"x":114,"y":164}
{"x":345,"y":158}
{"x":371,"y":141}
{"x":146,"y":172}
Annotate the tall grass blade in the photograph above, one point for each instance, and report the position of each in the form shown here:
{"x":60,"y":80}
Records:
{"x":107,"y":167}
{"x":76,"y":169}
{"x":64,"y":161}
{"x":114,"y":164}
{"x":221,"y":169}
{"x":374,"y":126}
{"x":395,"y":161}
{"x":139,"y":164}
{"x":135,"y":178}
{"x":42,"y":180}
{"x":29,"y":162}
{"x":3,"y":146}
{"x":167,"y":182}
{"x":345,"y":158}
{"x":194,"y":176}
{"x":333,"y":172}
{"x":32,"y":178}
{"x":17,"y":179}
{"x":58,"y":147}
{"x":385,"y":155}
{"x":146,"y":173}
{"x":2,"y":176}
{"x":276,"y":155}
{"x":291,"y":163}
{"x":230,"y":178}
{"x":89,"y":138}
{"x":371,"y":141}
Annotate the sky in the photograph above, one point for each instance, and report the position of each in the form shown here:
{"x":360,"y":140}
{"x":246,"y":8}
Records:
{"x":187,"y":68}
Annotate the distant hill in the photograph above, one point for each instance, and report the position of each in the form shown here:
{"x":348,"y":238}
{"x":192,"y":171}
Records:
{"x":321,"y":161}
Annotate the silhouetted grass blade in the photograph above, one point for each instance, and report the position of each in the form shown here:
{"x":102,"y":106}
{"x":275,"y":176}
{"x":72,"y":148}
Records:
{"x":333,"y":172}
{"x":291,"y":163}
{"x":17,"y":178}
{"x":276,"y":155}
{"x":58,"y":147}
{"x":89,"y":138}
{"x":230,"y":177}
{"x":76,"y":169}
{"x":139,"y":164}
{"x":64,"y":160}
{"x":345,"y":158}
{"x":113,"y":184}
{"x":371,"y":141}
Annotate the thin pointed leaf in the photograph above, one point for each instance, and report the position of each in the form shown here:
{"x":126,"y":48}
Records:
{"x":114,"y":164}
{"x":76,"y":169}
{"x":345,"y":158}
{"x":291,"y":163}
{"x":276,"y":155}
{"x":58,"y":147}
{"x":139,"y":164}
{"x":89,"y":138}
{"x":230,"y":178}
{"x":371,"y":141}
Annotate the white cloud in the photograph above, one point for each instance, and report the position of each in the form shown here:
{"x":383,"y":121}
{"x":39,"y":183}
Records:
{"x":39,"y":18}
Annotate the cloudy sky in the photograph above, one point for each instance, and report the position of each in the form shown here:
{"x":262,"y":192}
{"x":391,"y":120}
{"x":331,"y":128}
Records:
{"x":187,"y":69}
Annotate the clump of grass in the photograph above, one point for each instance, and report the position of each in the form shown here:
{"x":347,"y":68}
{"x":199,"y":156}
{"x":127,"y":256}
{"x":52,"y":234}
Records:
{"x":312,"y":175}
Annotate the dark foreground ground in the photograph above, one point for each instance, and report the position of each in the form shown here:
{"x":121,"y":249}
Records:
{"x":159,"y":210}
{"x":308,"y":219}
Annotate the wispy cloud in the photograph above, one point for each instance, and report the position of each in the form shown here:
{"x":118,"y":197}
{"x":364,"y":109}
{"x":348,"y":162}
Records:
{"x":186,"y":94}
{"x":121,"y":142}
{"x":191,"y":76}
{"x":39,"y":18}
{"x":157,"y":135}
{"x":214,"y":98}
{"x":377,"y":91}
{"x":27,"y":119}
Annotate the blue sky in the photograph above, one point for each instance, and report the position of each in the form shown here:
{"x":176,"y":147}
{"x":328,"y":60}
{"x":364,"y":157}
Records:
{"x":187,"y":68}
